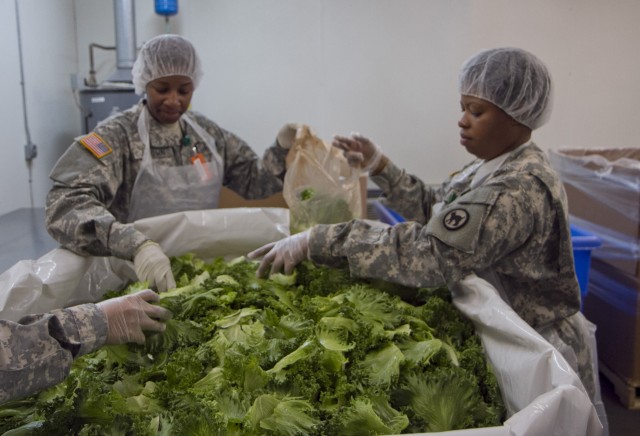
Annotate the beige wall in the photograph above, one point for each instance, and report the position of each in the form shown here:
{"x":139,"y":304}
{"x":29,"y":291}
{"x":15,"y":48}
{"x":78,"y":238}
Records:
{"x":384,"y":68}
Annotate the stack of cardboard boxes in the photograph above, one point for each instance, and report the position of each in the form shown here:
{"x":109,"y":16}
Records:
{"x":603,"y":189}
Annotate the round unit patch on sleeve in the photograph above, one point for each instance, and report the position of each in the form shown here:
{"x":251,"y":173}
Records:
{"x":455,"y":219}
{"x":459,"y":225}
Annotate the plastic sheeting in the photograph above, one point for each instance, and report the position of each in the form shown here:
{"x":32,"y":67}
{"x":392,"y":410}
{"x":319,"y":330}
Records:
{"x":543,"y":395}
{"x":61,"y":278}
{"x":595,"y":171}
{"x":611,"y":178}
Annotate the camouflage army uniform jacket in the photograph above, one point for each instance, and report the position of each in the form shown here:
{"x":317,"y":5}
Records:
{"x":512,"y":230}
{"x":88,"y":205}
{"x":38,"y":351}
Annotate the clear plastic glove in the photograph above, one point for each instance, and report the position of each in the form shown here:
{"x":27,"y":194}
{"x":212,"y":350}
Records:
{"x":129,"y":316}
{"x":287,"y":253}
{"x":359,"y":151}
{"x":153,"y":266}
{"x":287,"y":135}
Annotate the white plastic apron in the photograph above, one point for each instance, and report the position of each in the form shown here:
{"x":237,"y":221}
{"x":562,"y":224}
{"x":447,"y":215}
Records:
{"x":161,"y":189}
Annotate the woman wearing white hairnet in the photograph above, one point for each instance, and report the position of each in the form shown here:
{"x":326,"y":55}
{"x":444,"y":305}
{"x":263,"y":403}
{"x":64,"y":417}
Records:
{"x":155,"y":158}
{"x":503,"y":216}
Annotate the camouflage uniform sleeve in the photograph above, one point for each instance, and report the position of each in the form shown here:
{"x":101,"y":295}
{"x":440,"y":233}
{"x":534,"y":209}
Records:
{"x":400,"y":254}
{"x":483,"y":228}
{"x":78,"y":206}
{"x":244,"y":172}
{"x":38,"y":351}
{"x":405,"y":193}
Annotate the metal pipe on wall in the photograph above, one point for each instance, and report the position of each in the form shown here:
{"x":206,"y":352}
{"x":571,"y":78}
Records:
{"x":30,"y":149}
{"x":99,"y":100}
{"x":125,"y":24}
{"x":125,"y":33}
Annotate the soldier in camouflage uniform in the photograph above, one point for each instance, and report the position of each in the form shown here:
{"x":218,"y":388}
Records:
{"x":37,"y":351}
{"x":155,"y":158}
{"x":503,"y":217}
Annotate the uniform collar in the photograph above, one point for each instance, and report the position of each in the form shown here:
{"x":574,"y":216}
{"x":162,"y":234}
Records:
{"x":487,"y":168}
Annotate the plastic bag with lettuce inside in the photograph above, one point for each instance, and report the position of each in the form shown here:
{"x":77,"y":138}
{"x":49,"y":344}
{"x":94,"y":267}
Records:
{"x":319,"y":187}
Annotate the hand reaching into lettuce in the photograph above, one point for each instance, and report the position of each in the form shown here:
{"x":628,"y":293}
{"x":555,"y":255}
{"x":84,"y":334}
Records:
{"x":312,"y":353}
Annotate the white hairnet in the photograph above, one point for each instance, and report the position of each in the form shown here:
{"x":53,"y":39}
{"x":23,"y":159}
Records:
{"x":163,"y":56}
{"x":514,"y":80}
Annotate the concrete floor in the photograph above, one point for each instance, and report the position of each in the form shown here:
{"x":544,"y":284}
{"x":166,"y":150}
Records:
{"x":23,"y":237}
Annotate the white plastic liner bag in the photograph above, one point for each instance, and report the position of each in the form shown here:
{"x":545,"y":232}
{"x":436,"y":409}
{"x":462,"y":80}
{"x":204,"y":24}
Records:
{"x":61,"y":278}
{"x":543,"y":395}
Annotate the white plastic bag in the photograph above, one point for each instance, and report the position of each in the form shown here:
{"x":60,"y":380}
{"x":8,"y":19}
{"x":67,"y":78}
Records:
{"x":320,"y":187}
{"x":61,"y":278}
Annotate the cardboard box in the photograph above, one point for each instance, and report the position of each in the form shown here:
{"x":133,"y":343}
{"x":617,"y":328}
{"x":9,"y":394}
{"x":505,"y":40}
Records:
{"x":604,"y":194}
{"x":229,"y":199}
{"x":613,"y":305}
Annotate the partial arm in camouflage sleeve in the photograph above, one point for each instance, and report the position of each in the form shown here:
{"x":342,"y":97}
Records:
{"x":38,"y":351}
{"x":244,"y":172}
{"x":405,"y":193}
{"x":410,"y":254}
{"x":83,"y":212}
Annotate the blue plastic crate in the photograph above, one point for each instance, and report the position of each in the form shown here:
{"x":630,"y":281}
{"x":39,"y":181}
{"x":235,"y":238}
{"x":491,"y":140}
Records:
{"x":582,"y":242}
{"x":386,"y":215}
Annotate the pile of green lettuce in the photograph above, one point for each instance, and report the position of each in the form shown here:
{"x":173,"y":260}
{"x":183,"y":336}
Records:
{"x":315,"y":353}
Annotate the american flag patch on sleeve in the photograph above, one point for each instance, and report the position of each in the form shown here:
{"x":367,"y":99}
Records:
{"x":96,"y":145}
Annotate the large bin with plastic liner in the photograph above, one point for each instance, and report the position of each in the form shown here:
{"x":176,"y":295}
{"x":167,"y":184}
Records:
{"x":541,"y":392}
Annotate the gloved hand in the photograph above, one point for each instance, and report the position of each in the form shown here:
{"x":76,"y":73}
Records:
{"x":153,"y":266}
{"x":287,"y":135}
{"x":287,"y":252}
{"x":129,"y":316}
{"x":359,"y":151}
